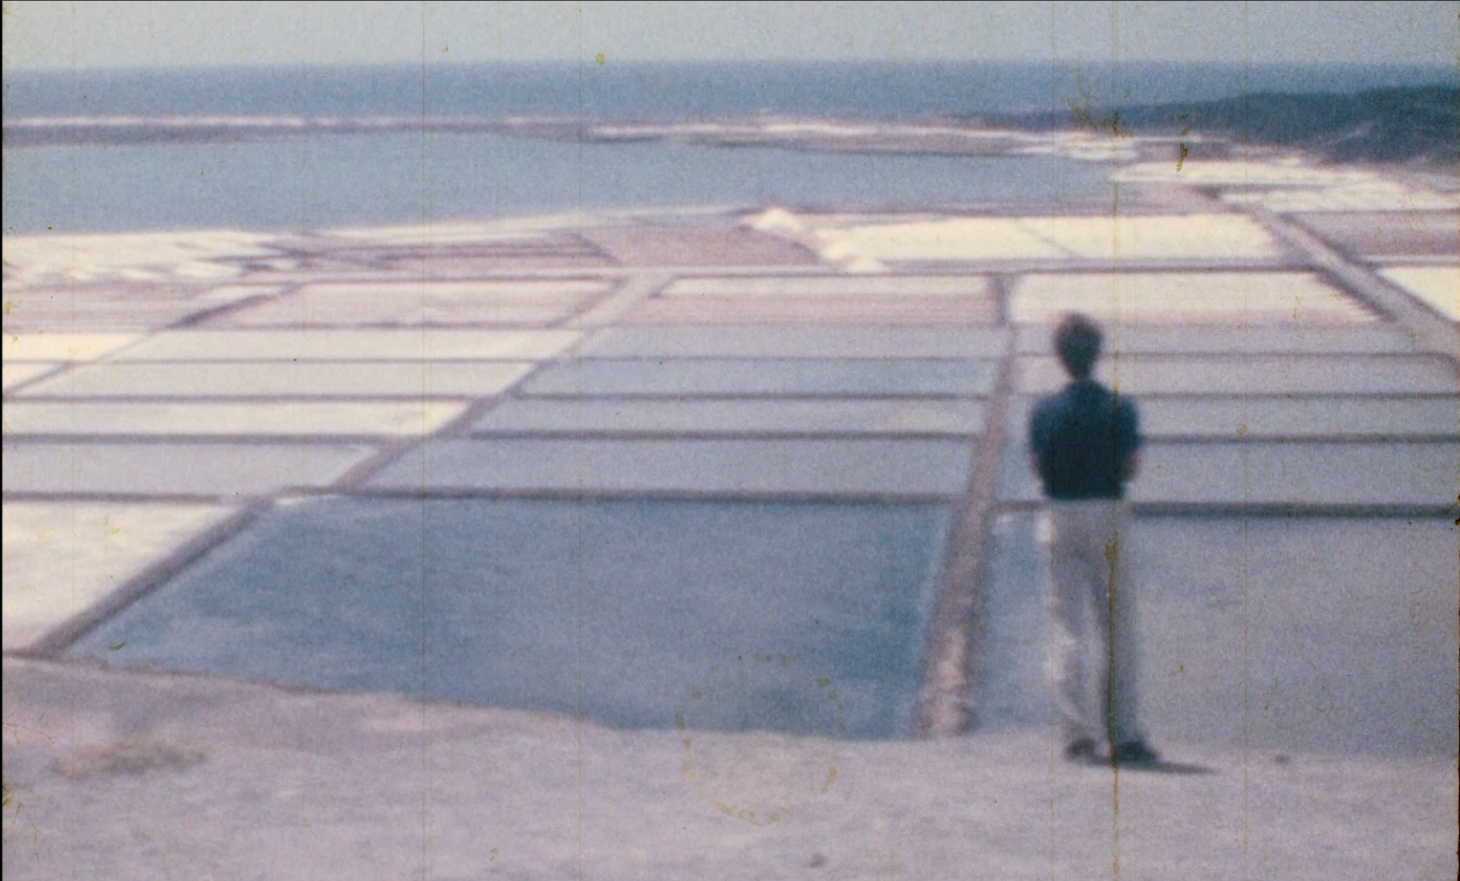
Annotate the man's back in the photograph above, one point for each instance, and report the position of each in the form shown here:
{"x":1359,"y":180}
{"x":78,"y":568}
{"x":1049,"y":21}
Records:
{"x":1084,"y":440}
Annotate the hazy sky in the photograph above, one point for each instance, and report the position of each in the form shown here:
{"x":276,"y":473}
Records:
{"x":102,"y":34}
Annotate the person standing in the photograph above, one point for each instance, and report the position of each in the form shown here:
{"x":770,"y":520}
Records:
{"x":1085,"y":445}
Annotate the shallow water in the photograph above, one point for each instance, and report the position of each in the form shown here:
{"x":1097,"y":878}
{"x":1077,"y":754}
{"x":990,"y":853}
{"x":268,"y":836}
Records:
{"x":405,"y":178}
{"x":806,"y":618}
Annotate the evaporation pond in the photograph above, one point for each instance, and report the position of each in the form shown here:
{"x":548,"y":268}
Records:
{"x":797,"y":617}
{"x":1320,"y":634}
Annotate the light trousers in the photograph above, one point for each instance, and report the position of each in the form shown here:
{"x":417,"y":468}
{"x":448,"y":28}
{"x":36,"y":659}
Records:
{"x":1093,"y":627}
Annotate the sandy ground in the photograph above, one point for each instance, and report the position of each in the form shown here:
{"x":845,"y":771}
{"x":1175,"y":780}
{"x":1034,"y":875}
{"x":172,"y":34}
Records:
{"x":127,"y":775}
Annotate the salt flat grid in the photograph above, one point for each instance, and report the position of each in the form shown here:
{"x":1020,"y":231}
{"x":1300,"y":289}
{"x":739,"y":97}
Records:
{"x":120,"y":539}
{"x":714,"y":245}
{"x":1436,"y":286}
{"x":1247,"y":298}
{"x":16,"y":373}
{"x":857,"y":468}
{"x":1111,"y":237}
{"x":526,"y":302}
{"x":830,"y":285}
{"x":780,"y":341}
{"x":1254,"y":375}
{"x":762,"y":286}
{"x":732,"y":417}
{"x":265,"y":380}
{"x":1237,"y":417}
{"x":1389,"y":235}
{"x":1334,"y":574}
{"x":85,"y":315}
{"x":299,"y":344}
{"x":135,"y":468}
{"x":269,"y":419}
{"x":860,"y":311}
{"x":964,"y":239}
{"x":1234,"y":340}
{"x":860,"y":584}
{"x":1361,"y":198}
{"x":699,"y":378}
{"x":63,"y":347}
{"x":707,"y":377}
{"x":1409,"y":477}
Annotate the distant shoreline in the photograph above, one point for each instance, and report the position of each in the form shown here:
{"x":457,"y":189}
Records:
{"x":930,"y":137}
{"x":1418,"y":126}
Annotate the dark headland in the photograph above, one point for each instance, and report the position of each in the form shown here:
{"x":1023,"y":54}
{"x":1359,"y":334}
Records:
{"x":1413,"y":125}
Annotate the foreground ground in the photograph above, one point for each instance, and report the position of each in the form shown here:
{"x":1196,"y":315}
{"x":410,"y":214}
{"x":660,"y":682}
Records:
{"x":145,"y":777}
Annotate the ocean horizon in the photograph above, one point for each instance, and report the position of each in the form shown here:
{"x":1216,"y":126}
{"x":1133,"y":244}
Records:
{"x":401,"y":173}
{"x":659,"y":90}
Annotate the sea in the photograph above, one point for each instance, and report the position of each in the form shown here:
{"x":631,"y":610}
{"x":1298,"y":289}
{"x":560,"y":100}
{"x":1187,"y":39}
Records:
{"x":319,"y":178}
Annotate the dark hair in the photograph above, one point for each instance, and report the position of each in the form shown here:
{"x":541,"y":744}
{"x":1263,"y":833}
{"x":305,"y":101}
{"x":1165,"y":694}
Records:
{"x":1077,"y":339}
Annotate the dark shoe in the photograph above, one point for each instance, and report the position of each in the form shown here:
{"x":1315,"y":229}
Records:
{"x":1134,"y":753}
{"x":1082,"y":750}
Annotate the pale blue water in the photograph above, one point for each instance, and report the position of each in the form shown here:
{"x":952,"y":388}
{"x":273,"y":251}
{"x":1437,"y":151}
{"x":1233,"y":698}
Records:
{"x":324,"y":182}
{"x":320,"y":181}
{"x":597,"y":609}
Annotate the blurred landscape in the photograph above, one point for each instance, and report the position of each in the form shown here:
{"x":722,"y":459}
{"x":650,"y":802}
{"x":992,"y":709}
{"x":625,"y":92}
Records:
{"x":619,"y":470}
{"x":1417,"y":125}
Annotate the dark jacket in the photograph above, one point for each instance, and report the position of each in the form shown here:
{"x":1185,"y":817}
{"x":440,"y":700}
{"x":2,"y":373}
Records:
{"x":1083,"y":440}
